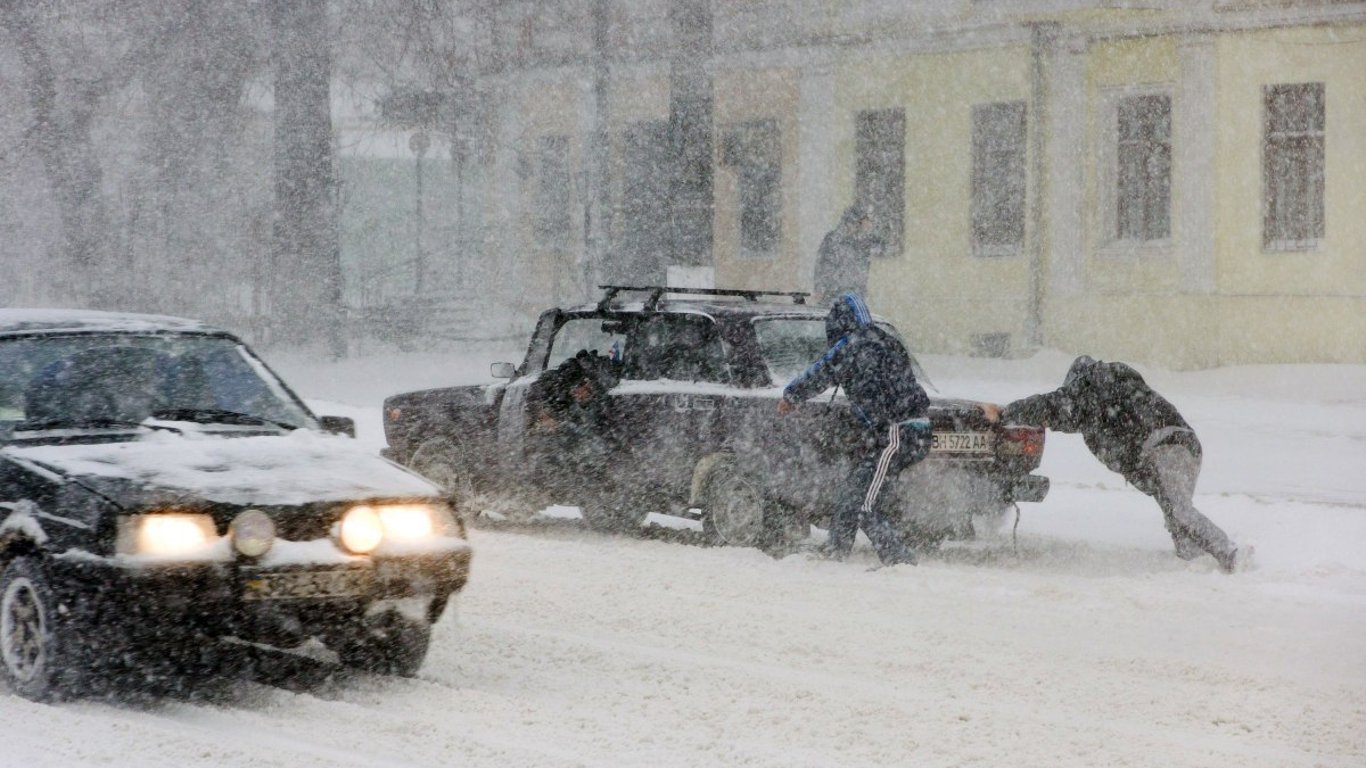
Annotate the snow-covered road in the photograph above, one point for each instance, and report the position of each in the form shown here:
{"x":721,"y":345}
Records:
{"x":1090,"y":645}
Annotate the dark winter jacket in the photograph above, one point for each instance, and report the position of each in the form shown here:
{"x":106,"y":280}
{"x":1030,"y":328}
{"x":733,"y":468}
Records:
{"x":869,"y":363}
{"x":844,"y":258}
{"x":574,"y":394}
{"x":1116,"y":412}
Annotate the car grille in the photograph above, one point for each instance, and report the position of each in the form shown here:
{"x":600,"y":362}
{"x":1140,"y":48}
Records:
{"x":306,"y":522}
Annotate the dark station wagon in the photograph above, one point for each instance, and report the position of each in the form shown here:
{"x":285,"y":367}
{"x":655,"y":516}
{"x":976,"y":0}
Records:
{"x":686,"y":425}
{"x":161,"y":489}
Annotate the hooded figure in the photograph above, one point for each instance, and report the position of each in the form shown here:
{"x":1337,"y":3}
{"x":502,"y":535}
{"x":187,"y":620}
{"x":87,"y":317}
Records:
{"x":1136,"y":432}
{"x":875,"y":371}
{"x":845,"y":255}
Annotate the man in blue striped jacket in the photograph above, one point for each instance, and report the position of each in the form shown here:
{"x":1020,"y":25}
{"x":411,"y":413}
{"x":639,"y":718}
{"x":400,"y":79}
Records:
{"x":874,"y":369}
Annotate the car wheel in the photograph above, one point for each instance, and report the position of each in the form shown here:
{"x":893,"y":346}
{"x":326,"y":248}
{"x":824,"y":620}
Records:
{"x":440,"y":462}
{"x":38,"y":654}
{"x":736,"y":511}
{"x":385,"y":644}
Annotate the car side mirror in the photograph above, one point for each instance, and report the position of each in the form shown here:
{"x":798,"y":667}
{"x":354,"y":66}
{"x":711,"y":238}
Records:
{"x":338,"y":425}
{"x":502,"y":370}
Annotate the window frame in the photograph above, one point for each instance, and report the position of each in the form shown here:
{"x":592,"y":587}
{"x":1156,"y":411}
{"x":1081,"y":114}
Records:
{"x":872,"y":183}
{"x":1108,"y":172}
{"x":1315,"y":140}
{"x":742,"y":144}
{"x":980,"y":176}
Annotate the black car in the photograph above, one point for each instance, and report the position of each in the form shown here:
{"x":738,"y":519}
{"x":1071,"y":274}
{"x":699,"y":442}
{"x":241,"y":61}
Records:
{"x":161,"y":488}
{"x":664,"y":401}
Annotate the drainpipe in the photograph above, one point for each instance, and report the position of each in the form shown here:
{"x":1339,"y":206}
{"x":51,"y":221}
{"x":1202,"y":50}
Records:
{"x":1042,"y":37}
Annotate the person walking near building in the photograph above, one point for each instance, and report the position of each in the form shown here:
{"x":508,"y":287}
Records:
{"x":1139,"y":434}
{"x":845,"y":256}
{"x":875,"y":371}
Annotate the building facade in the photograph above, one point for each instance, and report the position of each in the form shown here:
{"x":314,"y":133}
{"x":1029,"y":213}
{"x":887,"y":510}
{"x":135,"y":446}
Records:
{"x":1177,"y":183}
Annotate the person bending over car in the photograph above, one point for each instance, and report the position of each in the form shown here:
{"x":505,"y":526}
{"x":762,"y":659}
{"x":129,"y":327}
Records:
{"x":1137,"y":433}
{"x":875,"y":371}
{"x":570,"y":424}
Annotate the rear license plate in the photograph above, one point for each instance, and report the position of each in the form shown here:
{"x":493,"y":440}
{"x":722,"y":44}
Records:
{"x":304,"y":585}
{"x":971,"y":443}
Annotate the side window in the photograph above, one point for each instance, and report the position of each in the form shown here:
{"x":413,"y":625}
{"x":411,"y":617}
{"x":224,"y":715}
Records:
{"x":679,"y":348}
{"x":594,"y":334}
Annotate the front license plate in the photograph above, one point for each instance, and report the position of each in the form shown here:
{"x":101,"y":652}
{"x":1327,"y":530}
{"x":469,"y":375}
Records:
{"x":304,"y":585}
{"x":973,"y":443}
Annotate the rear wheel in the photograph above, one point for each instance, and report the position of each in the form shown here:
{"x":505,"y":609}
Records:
{"x":39,"y":657}
{"x":738,"y":512}
{"x":735,"y":509}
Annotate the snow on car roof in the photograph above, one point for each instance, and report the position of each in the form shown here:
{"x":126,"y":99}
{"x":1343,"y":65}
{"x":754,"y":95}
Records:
{"x":15,"y":321}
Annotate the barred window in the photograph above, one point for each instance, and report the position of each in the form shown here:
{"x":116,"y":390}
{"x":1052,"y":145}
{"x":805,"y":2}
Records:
{"x":1292,"y":165}
{"x":1143,"y":180}
{"x":998,"y":178}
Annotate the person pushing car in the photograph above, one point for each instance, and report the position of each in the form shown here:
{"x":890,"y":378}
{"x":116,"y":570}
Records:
{"x":1139,"y":434}
{"x":875,"y":371}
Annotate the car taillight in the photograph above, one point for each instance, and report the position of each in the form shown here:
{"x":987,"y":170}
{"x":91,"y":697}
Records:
{"x":1020,"y":441}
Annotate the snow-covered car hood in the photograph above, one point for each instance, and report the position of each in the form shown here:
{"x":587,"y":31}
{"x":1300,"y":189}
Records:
{"x":298,"y":467}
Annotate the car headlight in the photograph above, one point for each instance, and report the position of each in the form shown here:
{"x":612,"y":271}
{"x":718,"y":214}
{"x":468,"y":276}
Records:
{"x":165,"y":534}
{"x":361,"y":529}
{"x":364,"y":527}
{"x":253,"y":533}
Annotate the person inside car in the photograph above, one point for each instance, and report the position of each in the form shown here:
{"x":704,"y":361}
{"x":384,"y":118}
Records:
{"x":569,"y":416}
{"x":1139,"y":434}
{"x":875,"y":371}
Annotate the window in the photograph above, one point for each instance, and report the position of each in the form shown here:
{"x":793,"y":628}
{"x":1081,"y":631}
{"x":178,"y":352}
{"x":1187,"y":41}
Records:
{"x":998,"y":178}
{"x":552,"y":214}
{"x":880,"y":172}
{"x":587,"y":334}
{"x":753,"y":150}
{"x":1292,"y":165}
{"x":674,"y":347}
{"x":1143,"y":178}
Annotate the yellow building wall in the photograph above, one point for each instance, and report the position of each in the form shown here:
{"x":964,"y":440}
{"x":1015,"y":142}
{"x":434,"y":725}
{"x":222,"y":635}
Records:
{"x":1266,"y":306}
{"x":741,"y":97}
{"x":937,"y":292}
{"x":547,"y":275}
{"x":1292,"y":306}
{"x":1130,"y":307}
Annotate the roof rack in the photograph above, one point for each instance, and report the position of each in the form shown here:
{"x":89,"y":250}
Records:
{"x":657,"y":293}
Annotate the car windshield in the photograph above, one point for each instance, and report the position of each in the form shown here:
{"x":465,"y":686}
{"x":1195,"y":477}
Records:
{"x":790,"y":344}
{"x":123,"y":379}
